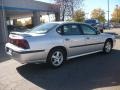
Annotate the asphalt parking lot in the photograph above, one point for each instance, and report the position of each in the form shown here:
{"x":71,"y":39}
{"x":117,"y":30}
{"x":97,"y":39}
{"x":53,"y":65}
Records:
{"x":93,"y":72}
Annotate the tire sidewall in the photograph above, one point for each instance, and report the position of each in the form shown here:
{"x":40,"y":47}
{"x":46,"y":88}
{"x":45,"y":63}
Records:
{"x":50,"y":55}
{"x":104,"y":49}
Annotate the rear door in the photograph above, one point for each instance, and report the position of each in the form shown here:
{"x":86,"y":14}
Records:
{"x":73,"y":39}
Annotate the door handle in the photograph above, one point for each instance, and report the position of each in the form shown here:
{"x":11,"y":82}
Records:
{"x":67,"y":39}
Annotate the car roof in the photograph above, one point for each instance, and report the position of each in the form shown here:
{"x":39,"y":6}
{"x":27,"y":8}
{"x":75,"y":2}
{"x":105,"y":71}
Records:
{"x":65,"y":22}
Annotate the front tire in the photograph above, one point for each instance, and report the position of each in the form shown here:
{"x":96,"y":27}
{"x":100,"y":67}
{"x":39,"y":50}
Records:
{"x":108,"y":46}
{"x":56,"y":57}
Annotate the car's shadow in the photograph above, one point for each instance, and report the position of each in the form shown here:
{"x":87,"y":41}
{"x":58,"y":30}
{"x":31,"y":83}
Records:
{"x":4,"y":58}
{"x":83,"y":73}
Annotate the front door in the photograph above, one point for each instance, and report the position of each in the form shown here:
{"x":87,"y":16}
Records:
{"x":94,"y":41}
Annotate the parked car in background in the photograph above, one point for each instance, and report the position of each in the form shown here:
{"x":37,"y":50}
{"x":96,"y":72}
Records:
{"x":95,"y":23}
{"x":56,"y":42}
{"x":116,"y":25}
{"x":107,"y":27}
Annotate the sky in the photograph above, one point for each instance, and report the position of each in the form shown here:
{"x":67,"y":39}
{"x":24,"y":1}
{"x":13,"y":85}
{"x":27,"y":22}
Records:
{"x":89,"y":5}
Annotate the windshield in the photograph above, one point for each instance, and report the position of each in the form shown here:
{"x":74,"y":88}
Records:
{"x":44,"y":28}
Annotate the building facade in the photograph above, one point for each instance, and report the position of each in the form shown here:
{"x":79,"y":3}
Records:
{"x":14,"y":9}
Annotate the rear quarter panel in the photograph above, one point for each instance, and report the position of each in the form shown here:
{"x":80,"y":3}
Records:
{"x":45,"y":42}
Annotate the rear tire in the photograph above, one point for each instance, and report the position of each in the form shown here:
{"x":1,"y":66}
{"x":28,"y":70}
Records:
{"x":107,"y":47}
{"x":56,"y":57}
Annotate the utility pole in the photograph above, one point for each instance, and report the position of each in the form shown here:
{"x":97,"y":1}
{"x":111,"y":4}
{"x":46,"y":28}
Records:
{"x":117,"y":14}
{"x":108,"y":14}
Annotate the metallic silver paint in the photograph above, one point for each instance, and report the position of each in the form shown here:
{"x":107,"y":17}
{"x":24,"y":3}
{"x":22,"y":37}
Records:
{"x":53,"y":39}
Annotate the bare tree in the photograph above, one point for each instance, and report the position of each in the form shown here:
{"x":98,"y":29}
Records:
{"x":67,"y":7}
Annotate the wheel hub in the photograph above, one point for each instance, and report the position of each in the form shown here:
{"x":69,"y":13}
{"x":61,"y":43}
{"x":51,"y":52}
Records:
{"x":57,"y":58}
{"x":108,"y":47}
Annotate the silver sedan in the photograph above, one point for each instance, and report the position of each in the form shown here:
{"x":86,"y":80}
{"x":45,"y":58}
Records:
{"x":56,"y":42}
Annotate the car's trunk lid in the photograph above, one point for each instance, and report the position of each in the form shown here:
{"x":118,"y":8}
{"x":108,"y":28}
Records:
{"x":21,"y":39}
{"x":25,"y":34}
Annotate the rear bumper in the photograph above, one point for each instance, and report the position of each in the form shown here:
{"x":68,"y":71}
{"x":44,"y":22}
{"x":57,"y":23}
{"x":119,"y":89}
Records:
{"x":28,"y":57}
{"x":25,"y":57}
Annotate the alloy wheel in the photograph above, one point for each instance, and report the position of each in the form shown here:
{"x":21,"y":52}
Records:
{"x":108,"y":47}
{"x":57,"y":58}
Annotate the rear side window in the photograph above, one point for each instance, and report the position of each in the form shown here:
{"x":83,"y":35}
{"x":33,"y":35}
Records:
{"x":70,"y":29}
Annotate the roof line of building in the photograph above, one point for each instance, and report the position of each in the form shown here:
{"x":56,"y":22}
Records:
{"x":23,"y":9}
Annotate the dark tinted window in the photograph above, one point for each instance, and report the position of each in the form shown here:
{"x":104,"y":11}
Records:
{"x":71,"y":29}
{"x":90,"y":21}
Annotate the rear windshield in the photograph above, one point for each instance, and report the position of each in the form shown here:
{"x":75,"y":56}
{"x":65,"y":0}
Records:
{"x":44,"y":28}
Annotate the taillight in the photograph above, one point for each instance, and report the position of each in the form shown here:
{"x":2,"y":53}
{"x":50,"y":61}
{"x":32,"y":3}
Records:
{"x":20,"y":43}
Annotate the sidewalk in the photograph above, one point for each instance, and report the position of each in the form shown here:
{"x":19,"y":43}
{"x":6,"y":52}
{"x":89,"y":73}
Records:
{"x":114,"y":31}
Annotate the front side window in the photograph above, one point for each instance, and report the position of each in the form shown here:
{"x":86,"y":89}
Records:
{"x":70,"y":30}
{"x":87,"y":30}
